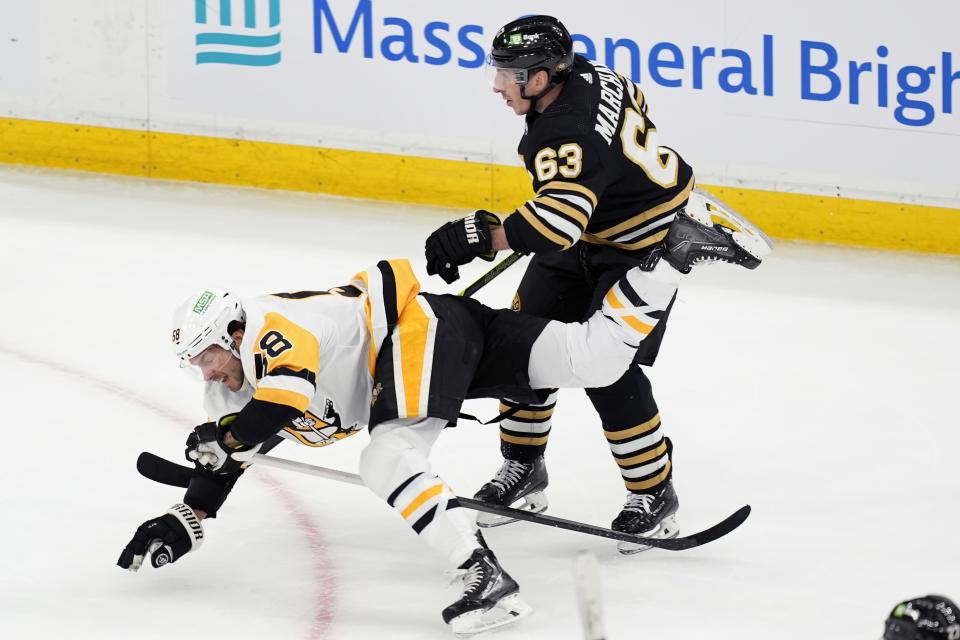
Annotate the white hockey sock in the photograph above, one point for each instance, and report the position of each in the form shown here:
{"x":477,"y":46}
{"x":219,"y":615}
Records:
{"x":395,"y":467}
{"x":596,"y":353}
{"x":431,"y":509}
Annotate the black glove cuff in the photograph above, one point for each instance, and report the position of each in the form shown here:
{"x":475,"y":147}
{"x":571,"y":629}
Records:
{"x":208,"y":491}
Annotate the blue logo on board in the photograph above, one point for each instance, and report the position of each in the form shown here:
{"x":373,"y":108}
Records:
{"x":247,"y":37}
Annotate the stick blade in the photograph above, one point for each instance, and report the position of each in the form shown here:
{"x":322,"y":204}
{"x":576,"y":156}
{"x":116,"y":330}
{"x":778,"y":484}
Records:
{"x":718,"y":530}
{"x":161,"y":470}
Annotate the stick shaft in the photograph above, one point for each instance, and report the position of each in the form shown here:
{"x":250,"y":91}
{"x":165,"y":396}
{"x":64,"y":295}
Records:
{"x":303,"y":467}
{"x":167,"y":472}
{"x":486,"y":278}
{"x":673,"y":544}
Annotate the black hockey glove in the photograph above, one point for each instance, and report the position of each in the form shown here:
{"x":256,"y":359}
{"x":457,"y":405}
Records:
{"x":166,"y":539}
{"x":460,"y":241}
{"x":206,"y":448}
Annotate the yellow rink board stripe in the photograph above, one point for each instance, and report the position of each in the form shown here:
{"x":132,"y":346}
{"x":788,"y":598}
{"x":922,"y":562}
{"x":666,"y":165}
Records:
{"x":271,"y":165}
{"x":862,"y":223}
{"x":450,"y":183}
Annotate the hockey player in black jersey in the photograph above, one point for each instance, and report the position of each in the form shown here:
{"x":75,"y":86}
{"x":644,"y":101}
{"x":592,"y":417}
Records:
{"x":609,"y":199}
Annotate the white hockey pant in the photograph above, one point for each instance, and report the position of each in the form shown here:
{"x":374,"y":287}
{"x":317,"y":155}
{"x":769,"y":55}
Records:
{"x":596,"y":353}
{"x":395,"y":465}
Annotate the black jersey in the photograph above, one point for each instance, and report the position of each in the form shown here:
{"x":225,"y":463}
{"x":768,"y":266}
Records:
{"x":599,"y":173}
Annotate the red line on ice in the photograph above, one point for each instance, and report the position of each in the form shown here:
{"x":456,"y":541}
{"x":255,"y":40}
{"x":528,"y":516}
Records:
{"x":323,"y":569}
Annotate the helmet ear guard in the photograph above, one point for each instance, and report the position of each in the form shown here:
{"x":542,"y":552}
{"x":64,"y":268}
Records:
{"x":203,"y":320}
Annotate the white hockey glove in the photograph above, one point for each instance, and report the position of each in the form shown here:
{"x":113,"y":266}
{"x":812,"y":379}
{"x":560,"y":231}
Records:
{"x":205,"y":447}
{"x":166,"y":539}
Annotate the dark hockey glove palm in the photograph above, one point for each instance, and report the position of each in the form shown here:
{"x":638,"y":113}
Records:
{"x":206,"y":448}
{"x":166,"y":539}
{"x":458,"y":242}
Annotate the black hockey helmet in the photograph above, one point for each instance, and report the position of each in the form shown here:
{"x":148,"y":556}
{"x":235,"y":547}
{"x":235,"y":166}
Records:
{"x":532,"y":43}
{"x":927,"y":618}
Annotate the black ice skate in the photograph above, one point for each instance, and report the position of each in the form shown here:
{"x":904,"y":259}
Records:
{"x":648,"y":514}
{"x":514,"y":481}
{"x":491,"y":598}
{"x":706,"y":231}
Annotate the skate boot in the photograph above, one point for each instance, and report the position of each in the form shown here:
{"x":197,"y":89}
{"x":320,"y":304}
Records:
{"x":706,"y":231}
{"x":491,"y":598}
{"x":648,"y":514}
{"x":514,"y":481}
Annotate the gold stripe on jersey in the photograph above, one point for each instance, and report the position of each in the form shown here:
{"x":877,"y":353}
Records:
{"x":407,"y":287}
{"x":285,"y":346}
{"x":362,"y":280}
{"x":636,"y":96}
{"x":293,"y":399}
{"x":641,"y":428}
{"x":560,"y":211}
{"x":414,"y":337}
{"x":573,"y":187}
{"x":287,"y":383}
{"x":541,"y":228}
{"x":632,"y":246}
{"x":390,"y":286}
{"x":578,"y":217}
{"x":616,"y":235}
{"x":648,"y":215}
{"x":636,"y":221}
{"x":426,"y":375}
{"x":415,"y":504}
{"x":567,"y":220}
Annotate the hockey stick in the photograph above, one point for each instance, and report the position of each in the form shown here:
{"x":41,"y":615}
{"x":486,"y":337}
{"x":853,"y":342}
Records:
{"x":167,"y":472}
{"x":495,"y":271}
{"x":153,"y":467}
{"x":674,"y":544}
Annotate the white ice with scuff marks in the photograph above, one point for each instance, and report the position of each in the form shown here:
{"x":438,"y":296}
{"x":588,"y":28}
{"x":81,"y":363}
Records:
{"x":822,"y":389}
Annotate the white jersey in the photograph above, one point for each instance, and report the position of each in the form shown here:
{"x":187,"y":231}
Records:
{"x":316,"y":350}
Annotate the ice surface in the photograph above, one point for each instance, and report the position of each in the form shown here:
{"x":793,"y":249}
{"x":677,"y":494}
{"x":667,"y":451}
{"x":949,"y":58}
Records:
{"x":822,"y":389}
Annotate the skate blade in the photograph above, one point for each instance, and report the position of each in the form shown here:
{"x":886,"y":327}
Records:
{"x":507,"y":611}
{"x":532,"y":503}
{"x":668,"y":528}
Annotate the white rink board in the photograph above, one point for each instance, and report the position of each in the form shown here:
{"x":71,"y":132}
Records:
{"x":752,"y":93}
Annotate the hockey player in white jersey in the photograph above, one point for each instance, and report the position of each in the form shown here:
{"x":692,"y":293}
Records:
{"x":317,"y":366}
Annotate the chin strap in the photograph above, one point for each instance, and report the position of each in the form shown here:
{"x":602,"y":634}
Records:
{"x":533,"y":99}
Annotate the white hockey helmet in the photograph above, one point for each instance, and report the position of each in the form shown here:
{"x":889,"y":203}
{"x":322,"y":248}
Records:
{"x":203,"y":320}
